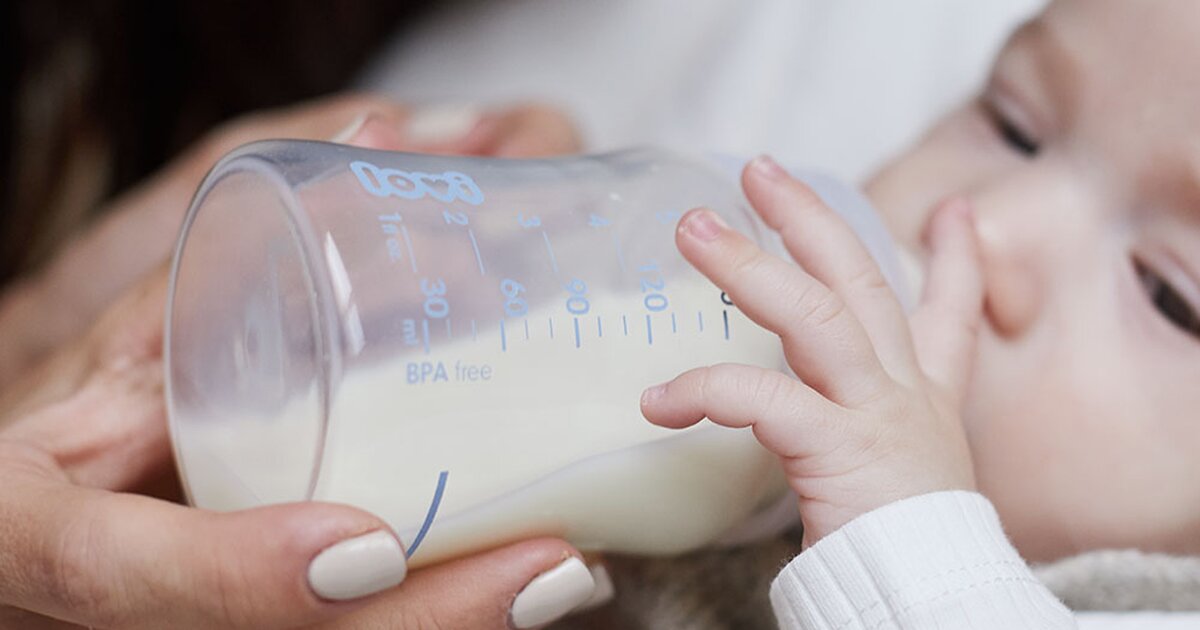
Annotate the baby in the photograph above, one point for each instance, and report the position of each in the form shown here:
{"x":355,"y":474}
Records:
{"x":1054,"y":362}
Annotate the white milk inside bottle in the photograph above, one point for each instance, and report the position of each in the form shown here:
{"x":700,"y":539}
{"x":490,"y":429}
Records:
{"x":459,"y":345}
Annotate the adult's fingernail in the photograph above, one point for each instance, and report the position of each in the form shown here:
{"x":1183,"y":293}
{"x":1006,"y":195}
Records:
{"x":704,"y":224}
{"x":768,"y":167}
{"x":440,"y":123}
{"x":552,"y":594}
{"x":348,"y":131}
{"x":357,"y":567}
{"x":604,"y":590}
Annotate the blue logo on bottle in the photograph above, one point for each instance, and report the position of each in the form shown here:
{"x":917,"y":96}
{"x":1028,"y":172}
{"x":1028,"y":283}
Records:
{"x":390,"y":182}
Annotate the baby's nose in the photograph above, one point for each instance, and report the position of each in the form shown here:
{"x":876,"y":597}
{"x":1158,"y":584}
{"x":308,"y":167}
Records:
{"x":1014,"y":249}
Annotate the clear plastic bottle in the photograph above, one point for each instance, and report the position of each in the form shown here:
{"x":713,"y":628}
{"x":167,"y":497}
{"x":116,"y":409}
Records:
{"x":458,"y":345}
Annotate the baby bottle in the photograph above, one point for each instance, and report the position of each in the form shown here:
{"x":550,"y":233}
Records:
{"x":458,"y":345}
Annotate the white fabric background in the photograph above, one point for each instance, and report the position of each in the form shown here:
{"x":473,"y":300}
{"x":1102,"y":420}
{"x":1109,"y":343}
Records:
{"x":836,"y":84}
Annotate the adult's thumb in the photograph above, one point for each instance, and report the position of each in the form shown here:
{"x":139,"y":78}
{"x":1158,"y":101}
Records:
{"x":124,"y":561}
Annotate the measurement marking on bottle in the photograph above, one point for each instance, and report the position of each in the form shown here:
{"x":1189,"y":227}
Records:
{"x":700,"y":319}
{"x":425,"y":334}
{"x":550,"y":320}
{"x":474,"y":332}
{"x":625,"y":325}
{"x":412,"y":258}
{"x":620,"y":253}
{"x":503,"y":338}
{"x":429,"y":516}
{"x":576,"y":332}
{"x":649,"y":331}
{"x":550,"y":251}
{"x":674,"y":328}
{"x":526,"y":329}
{"x":599,"y":327}
{"x":475,"y":246}
{"x":725,"y":318}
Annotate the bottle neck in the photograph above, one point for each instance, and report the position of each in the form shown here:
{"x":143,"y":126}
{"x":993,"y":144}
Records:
{"x":899,"y":267}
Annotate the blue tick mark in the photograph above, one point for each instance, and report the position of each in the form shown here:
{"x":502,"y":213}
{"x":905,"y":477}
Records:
{"x":433,"y":508}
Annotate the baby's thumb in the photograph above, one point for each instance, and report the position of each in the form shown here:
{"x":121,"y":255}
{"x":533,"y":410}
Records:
{"x":946,"y":323}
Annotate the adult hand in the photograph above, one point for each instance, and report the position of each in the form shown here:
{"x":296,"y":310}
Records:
{"x":75,"y":546}
{"x":139,"y":228}
{"x":873,"y":416}
{"x":87,"y":426}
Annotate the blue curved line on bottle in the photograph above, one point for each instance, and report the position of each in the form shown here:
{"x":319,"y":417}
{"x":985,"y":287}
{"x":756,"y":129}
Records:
{"x":433,"y":508}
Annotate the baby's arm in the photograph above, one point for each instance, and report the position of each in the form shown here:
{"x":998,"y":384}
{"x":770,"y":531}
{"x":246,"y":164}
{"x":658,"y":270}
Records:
{"x":869,"y":433}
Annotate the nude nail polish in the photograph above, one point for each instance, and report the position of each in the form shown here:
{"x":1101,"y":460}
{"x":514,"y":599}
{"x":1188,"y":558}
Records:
{"x":441,"y":123}
{"x":604,"y":590}
{"x":348,"y":131}
{"x":552,"y":594}
{"x":357,"y":567}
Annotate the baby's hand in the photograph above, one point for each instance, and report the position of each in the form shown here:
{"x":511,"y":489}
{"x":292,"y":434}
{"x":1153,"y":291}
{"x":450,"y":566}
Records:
{"x":874,"y":415}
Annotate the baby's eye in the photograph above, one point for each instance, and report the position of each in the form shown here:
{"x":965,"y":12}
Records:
{"x":1016,"y":138}
{"x":1168,"y":301}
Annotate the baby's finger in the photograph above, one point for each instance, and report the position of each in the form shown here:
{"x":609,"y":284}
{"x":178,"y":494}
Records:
{"x":946,"y":323}
{"x":825,"y":345}
{"x":788,"y":417}
{"x":826,"y":246}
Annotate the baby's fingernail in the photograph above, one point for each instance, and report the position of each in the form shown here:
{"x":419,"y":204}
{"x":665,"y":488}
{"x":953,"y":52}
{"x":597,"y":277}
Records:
{"x":357,"y":567}
{"x":960,"y":206}
{"x":768,"y":167}
{"x":604,"y":591}
{"x":704,"y":224}
{"x":653,"y":393}
{"x":552,"y":594}
{"x":954,"y":207}
{"x":348,"y":131}
{"x":441,"y":123}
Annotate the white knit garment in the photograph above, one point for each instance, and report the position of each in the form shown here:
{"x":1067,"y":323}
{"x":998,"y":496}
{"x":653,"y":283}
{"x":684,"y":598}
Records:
{"x":938,"y":561}
{"x":941,"y":561}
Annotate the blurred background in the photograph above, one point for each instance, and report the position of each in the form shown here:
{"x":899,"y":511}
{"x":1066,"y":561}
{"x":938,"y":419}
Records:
{"x":99,"y":94}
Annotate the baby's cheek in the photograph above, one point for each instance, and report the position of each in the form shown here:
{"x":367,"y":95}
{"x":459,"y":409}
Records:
{"x":946,"y":162}
{"x":1067,"y":448}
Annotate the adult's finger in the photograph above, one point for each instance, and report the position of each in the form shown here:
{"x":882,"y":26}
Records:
{"x":946,"y":324}
{"x":117,"y":560}
{"x":522,"y":131}
{"x":826,"y":246}
{"x":823,"y":342}
{"x":788,"y":418}
{"x":128,"y":334}
{"x":61,"y":300}
{"x":524,"y":585}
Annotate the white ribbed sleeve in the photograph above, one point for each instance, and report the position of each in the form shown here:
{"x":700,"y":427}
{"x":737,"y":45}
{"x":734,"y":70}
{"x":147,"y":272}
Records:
{"x":932,"y":562}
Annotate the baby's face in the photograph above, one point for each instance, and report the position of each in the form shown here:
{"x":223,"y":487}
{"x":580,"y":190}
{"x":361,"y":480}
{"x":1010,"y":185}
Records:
{"x":1082,"y":158}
